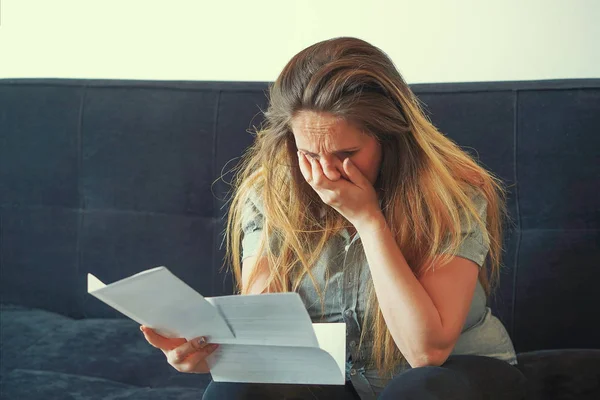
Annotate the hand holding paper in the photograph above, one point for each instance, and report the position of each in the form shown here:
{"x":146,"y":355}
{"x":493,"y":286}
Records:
{"x":184,"y":355}
{"x":266,"y":338}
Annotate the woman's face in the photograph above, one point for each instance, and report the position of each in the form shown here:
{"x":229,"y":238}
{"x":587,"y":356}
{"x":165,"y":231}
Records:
{"x":330,"y":140}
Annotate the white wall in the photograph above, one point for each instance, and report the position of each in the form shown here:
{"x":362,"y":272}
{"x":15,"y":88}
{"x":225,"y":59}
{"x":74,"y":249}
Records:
{"x":429,"y":40}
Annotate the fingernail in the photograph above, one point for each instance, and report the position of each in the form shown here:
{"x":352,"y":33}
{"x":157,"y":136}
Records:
{"x":142,"y":328}
{"x":214,"y":346}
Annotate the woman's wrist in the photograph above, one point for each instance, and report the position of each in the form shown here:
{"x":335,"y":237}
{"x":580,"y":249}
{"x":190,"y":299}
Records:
{"x":370,"y":223}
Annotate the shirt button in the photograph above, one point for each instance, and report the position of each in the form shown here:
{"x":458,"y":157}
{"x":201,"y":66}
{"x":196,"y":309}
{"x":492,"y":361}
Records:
{"x":352,"y":343}
{"x":348,"y":313}
{"x":353,"y":372}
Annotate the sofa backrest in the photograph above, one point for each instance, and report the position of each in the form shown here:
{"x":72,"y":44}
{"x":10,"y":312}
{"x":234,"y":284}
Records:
{"x":113,"y":177}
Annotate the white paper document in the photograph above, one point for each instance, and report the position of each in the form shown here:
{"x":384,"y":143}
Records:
{"x":266,"y":338}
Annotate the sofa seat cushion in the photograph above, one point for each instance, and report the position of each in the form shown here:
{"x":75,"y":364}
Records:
{"x":110,"y":350}
{"x":561,"y":374}
{"x":48,"y":385}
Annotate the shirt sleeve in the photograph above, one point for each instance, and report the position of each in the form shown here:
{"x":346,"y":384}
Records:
{"x":475,"y":242}
{"x":252,"y":226}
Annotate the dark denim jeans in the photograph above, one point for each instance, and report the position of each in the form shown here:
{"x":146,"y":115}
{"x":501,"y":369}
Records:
{"x":459,"y":378}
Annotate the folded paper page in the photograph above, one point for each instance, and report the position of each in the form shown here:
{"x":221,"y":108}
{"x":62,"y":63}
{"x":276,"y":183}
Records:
{"x":158,"y":299}
{"x":332,"y":339}
{"x":276,"y":319}
{"x":275,"y":364}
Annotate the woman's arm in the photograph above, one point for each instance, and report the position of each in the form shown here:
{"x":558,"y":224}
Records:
{"x":424,"y":316}
{"x":259,"y":285}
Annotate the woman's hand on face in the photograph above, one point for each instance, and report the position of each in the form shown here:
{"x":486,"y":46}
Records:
{"x":354,"y":198}
{"x":183,"y":355}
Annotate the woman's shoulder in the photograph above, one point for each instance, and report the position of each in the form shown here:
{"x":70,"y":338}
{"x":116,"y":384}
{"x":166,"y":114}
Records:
{"x":253,"y":198}
{"x":477,"y":209}
{"x":478,"y":198}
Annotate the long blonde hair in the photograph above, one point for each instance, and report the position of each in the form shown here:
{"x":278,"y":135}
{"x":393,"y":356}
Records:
{"x":425,"y":178}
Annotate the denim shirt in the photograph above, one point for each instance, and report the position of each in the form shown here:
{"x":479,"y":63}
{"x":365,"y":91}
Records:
{"x":345,"y":297}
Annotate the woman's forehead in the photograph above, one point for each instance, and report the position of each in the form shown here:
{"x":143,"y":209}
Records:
{"x":323,"y":128}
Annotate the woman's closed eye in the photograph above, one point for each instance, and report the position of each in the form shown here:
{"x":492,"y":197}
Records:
{"x":345,"y":154}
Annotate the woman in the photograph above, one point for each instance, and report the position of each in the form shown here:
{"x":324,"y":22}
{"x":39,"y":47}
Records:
{"x":352,"y":198}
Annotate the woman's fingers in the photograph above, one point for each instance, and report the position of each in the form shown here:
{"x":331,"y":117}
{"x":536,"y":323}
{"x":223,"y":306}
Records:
{"x":161,"y":342}
{"x":328,"y":188}
{"x":311,"y":170}
{"x":181,"y":352}
{"x":183,"y":355}
{"x":191,"y":358}
{"x":354,"y":174}
{"x":305,"y":167}
{"x":330,"y":169}
{"x":319,"y":180}
{"x":316,"y":173}
{"x":197,"y":364}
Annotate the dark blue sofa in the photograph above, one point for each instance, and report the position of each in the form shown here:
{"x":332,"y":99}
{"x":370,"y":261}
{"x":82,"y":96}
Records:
{"x":113,"y":177}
